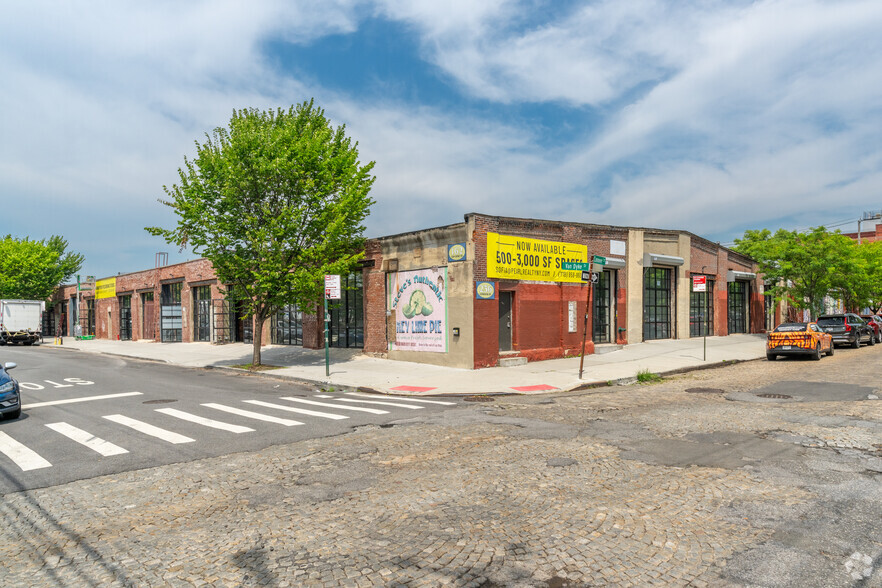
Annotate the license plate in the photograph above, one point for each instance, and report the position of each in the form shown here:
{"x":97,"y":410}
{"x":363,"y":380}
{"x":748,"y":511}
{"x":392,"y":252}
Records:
{"x":786,"y":347}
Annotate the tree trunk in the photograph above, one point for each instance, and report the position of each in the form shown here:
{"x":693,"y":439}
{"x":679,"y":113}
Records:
{"x":256,"y":338}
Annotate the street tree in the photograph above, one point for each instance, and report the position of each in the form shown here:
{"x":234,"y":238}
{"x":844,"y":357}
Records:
{"x":32,"y":270}
{"x":275,"y":202}
{"x":870,"y":259}
{"x":802,"y":267}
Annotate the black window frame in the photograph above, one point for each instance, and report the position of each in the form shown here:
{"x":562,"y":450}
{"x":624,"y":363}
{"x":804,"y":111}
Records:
{"x":125,"y":317}
{"x":171,"y":313}
{"x":346,"y":329}
{"x":738,"y":294}
{"x":658,"y":298}
{"x":701,"y":311}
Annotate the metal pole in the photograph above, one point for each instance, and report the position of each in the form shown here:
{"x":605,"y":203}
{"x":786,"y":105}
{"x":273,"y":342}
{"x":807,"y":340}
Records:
{"x":327,"y":340}
{"x":587,"y":310}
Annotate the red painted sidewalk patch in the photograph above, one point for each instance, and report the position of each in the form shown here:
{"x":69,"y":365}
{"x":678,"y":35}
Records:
{"x":411,"y":389}
{"x":537,"y":388}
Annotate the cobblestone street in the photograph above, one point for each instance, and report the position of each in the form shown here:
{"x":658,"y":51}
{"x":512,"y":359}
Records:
{"x":693,"y":481}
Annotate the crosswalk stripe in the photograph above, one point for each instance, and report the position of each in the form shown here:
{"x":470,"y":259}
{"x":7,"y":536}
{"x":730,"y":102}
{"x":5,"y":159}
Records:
{"x":410,"y":406}
{"x":253,"y":415}
{"x":329,"y":405}
{"x":97,"y":444}
{"x":148,"y":429}
{"x":406,"y":399}
{"x":83,"y":399}
{"x":23,"y":457}
{"x":325,"y":415}
{"x":186,"y":416}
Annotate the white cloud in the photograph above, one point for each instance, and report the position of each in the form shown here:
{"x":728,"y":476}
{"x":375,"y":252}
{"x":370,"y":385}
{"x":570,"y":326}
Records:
{"x":711,"y":116}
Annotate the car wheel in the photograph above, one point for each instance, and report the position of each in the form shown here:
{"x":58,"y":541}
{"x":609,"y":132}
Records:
{"x":830,"y":351}
{"x":771,"y":356}
{"x":857,"y":341}
{"x":872,"y":340}
{"x":816,"y":356}
{"x":14,"y":414}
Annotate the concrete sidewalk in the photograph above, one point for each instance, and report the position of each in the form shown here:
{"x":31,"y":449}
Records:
{"x":350,"y":368}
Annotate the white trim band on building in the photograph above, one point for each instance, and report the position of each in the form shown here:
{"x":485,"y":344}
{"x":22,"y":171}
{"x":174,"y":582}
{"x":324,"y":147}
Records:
{"x":656,"y":259}
{"x":614,"y":263}
{"x":733,"y":276}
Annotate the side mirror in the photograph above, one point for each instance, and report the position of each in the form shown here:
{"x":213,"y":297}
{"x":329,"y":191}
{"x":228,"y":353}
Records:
{"x":9,"y":365}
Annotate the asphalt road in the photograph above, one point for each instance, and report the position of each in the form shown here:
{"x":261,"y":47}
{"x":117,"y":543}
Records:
{"x":88,"y":415}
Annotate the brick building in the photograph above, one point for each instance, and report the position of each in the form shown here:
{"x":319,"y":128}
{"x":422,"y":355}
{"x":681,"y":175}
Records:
{"x":504,"y":292}
{"x":464,"y":295}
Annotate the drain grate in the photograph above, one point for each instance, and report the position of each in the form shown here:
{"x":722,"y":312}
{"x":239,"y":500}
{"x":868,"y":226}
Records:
{"x":705,"y":391}
{"x":479,"y":398}
{"x":162,"y":401}
{"x":777,"y":396}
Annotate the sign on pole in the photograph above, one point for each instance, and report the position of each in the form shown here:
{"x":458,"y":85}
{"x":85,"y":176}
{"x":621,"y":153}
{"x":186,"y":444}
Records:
{"x":699,"y":283}
{"x":333,"y":290}
{"x":597,"y":259}
{"x":575,"y":266}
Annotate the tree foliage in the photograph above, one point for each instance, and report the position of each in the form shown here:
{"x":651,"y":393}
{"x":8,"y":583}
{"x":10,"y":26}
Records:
{"x":275,"y":202}
{"x":31,"y":270}
{"x":806,"y":267}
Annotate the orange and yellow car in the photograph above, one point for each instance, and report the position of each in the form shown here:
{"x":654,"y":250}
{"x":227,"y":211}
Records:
{"x":798,"y":339}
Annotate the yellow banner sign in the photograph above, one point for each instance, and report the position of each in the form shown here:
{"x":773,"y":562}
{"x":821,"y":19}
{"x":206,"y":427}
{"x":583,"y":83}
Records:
{"x":105,"y":288}
{"x":520,"y":258}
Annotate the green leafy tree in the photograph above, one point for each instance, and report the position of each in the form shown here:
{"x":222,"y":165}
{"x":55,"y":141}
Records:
{"x":31,"y":270}
{"x":870,"y":258}
{"x":275,"y":202}
{"x":803,"y":267}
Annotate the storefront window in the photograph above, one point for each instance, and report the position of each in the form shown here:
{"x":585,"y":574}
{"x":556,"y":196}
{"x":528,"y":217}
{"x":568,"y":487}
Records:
{"x":170,"y":312}
{"x":701,"y":311}
{"x":347,"y":314}
{"x":656,"y":303}
{"x":737,"y":307}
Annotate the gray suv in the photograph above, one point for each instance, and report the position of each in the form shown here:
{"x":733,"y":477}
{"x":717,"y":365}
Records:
{"x":10,"y":398}
{"x":847,"y":328}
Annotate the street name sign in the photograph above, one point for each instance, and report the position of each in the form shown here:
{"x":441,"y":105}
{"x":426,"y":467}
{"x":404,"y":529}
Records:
{"x":598,"y":260}
{"x":575,"y":266}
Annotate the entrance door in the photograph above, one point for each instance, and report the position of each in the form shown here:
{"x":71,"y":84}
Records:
{"x":505,"y":300}
{"x":148,"y":319}
{"x":603,"y":308}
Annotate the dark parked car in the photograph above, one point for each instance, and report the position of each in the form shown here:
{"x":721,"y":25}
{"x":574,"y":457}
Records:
{"x":847,"y":328}
{"x":10,"y":398}
{"x":875,"y":321}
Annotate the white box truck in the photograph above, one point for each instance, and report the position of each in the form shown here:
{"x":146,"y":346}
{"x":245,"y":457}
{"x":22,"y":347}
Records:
{"x":21,"y":321}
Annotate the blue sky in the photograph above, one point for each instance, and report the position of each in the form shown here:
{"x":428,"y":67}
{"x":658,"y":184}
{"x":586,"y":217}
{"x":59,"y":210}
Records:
{"x":713,"y":117}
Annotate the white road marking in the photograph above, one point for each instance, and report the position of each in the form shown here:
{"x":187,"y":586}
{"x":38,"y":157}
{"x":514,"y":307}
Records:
{"x":253,"y":415}
{"x":322,"y":395}
{"x":23,"y":457}
{"x":410,"y":406}
{"x":329,"y":405}
{"x":404,"y":398}
{"x":148,"y":429}
{"x":204,"y":421}
{"x":103,"y":447}
{"x":324,"y":415}
{"x":83,"y":399}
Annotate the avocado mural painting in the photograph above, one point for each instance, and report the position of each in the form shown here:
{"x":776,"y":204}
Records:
{"x":419,"y":300}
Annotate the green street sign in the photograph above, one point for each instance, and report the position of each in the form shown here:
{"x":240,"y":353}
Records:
{"x":575,"y":266}
{"x":599,"y":260}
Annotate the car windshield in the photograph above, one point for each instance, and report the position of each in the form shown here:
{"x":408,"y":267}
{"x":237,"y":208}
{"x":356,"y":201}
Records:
{"x":831,"y":321}
{"x":790,"y":327}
